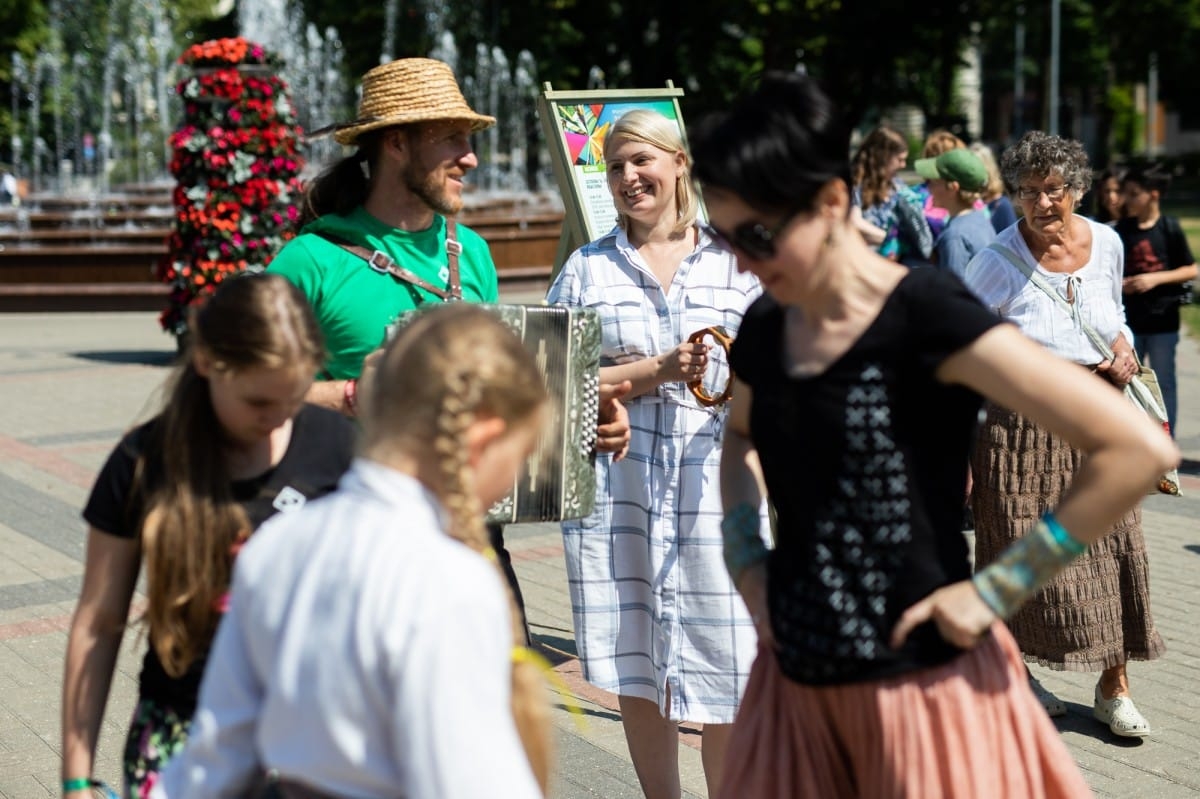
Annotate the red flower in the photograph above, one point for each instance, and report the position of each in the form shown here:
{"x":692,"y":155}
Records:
{"x":233,"y":158}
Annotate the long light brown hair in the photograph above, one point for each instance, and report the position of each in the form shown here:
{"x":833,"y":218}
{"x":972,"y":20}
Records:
{"x":870,"y":165}
{"x":451,"y":365}
{"x":192,"y":521}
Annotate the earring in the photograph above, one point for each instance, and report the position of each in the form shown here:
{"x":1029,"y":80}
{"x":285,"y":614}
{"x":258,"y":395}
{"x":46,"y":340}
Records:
{"x":366,"y":169}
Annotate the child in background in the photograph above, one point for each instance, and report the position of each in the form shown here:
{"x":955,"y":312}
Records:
{"x":233,"y":445}
{"x":1158,"y":262}
{"x":999,"y":207}
{"x":955,"y":179}
{"x":1109,"y":205}
{"x":368,"y":648}
{"x":937,"y":142}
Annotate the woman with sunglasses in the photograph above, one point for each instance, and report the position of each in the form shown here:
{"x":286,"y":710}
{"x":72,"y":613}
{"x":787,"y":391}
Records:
{"x":657,"y":620}
{"x":1096,"y":615}
{"x":884,"y":666}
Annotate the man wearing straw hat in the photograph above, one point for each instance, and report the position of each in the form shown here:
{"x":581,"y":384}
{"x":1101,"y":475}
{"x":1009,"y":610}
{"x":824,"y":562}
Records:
{"x":396,"y":196}
{"x":380,"y":237}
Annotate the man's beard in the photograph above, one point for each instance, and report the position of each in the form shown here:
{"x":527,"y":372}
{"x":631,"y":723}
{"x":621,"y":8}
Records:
{"x":431,"y":188}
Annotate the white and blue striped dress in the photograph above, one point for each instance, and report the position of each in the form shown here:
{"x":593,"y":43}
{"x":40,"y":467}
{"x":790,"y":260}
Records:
{"x":656,"y":615}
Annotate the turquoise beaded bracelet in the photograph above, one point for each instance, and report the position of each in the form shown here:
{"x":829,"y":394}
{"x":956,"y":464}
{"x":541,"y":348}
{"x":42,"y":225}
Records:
{"x":1026,"y":566}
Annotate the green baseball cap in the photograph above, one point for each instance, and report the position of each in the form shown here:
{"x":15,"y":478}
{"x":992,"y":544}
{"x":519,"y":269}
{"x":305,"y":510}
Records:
{"x":959,"y":165}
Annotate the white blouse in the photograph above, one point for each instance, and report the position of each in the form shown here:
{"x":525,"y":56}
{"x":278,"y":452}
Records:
{"x":365,"y":653}
{"x":1096,"y":287}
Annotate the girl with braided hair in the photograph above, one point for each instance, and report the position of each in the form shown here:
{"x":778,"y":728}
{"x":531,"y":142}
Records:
{"x":364,"y":629}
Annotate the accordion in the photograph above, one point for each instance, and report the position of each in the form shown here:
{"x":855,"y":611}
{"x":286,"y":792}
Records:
{"x":558,"y":480}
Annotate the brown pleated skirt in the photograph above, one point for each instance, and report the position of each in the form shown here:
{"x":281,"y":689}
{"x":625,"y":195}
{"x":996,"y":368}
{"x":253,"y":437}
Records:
{"x":1096,"y":613}
{"x":968,"y":729}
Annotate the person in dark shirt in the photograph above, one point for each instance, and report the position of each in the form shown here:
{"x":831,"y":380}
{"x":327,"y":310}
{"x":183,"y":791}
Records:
{"x":234,"y":444}
{"x":884,"y":668}
{"x":1158,"y":265}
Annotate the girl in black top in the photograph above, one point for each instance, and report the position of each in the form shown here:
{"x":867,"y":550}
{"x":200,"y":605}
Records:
{"x":233,"y":445}
{"x":883,"y":668}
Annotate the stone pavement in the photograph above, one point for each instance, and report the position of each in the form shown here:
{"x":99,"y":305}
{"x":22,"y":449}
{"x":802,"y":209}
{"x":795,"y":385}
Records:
{"x":71,"y":383}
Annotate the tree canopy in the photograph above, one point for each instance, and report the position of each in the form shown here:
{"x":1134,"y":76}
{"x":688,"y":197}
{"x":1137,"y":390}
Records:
{"x":871,"y":54}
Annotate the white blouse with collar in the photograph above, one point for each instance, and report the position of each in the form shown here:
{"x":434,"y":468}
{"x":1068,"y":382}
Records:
{"x":365,"y":653}
{"x":1096,"y":287}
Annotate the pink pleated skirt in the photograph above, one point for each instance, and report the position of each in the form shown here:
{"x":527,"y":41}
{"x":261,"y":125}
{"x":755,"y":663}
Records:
{"x":970,"y":728}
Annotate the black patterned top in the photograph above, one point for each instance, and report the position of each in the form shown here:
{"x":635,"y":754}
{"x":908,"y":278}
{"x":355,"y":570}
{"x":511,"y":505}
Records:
{"x":866,"y":464}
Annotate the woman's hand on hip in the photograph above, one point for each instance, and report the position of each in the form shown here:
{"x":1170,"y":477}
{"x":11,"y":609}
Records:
{"x":961,"y":615}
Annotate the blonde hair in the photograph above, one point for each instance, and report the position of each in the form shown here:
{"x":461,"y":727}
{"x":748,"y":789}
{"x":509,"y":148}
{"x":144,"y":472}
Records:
{"x":652,"y":128}
{"x":191,"y":521}
{"x":940,"y":141}
{"x":870,"y":164}
{"x":451,"y":365}
{"x":995,"y":184}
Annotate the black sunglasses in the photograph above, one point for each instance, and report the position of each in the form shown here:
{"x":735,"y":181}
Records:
{"x":754,"y":238}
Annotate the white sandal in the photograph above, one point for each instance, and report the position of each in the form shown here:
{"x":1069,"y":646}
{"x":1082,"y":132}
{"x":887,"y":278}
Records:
{"x":1121,"y":716}
{"x":1052,"y":704}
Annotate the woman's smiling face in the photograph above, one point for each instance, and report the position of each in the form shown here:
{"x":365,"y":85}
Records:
{"x":642,"y":179}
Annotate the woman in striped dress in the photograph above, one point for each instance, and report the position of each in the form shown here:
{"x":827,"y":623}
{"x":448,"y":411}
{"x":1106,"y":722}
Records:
{"x":657,"y":620}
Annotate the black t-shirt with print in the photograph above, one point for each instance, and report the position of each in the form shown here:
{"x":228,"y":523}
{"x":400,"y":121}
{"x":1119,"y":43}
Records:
{"x":320,"y":450}
{"x":1160,"y":247}
{"x":866,"y":464}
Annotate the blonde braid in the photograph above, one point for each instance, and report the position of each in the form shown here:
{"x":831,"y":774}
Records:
{"x":529,"y":706}
{"x":457,"y":495}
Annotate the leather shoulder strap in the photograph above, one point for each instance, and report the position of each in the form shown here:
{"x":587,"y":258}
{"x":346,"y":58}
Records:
{"x":380,"y":262}
{"x":1041,"y":283}
{"x":453,"y":248}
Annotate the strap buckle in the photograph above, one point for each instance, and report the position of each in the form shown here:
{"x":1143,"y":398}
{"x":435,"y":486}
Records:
{"x":380,"y":262}
{"x":453,"y":247}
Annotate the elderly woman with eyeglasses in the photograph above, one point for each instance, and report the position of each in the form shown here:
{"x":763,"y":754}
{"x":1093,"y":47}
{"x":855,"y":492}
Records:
{"x":1096,"y":614}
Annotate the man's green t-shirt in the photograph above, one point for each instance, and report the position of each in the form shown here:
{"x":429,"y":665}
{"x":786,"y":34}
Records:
{"x":353,"y":303}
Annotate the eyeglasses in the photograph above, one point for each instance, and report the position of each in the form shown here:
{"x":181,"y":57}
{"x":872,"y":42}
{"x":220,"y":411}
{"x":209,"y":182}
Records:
{"x":1054,"y":194}
{"x":754,"y":238}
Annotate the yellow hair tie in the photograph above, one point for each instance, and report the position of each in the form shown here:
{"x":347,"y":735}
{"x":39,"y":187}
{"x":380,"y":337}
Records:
{"x":523,"y":654}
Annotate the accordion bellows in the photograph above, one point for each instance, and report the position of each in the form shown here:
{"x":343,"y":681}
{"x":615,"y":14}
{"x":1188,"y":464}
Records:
{"x":558,"y":481}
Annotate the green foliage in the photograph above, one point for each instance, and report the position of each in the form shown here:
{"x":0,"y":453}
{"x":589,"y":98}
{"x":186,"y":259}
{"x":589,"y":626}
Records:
{"x":1128,"y":123}
{"x":869,"y":53}
{"x":1191,"y":320}
{"x":23,"y":28}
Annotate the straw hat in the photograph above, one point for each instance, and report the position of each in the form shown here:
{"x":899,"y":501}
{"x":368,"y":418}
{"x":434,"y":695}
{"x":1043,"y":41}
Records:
{"x":409,"y":90}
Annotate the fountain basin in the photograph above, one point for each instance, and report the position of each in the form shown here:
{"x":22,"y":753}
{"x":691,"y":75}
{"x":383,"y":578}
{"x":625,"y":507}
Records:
{"x":100,"y":253}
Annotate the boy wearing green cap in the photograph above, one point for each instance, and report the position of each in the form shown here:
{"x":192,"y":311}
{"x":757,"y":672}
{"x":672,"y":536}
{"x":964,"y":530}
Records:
{"x":955,"y":180}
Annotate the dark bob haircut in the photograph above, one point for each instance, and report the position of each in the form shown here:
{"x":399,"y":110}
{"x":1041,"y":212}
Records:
{"x":776,"y":146}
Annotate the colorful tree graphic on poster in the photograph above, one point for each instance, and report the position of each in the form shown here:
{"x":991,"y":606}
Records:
{"x":236,"y":168}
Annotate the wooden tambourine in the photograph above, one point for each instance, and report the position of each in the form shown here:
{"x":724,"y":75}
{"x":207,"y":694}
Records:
{"x":722,"y":337}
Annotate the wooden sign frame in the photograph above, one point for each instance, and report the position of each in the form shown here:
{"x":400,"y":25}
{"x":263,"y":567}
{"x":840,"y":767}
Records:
{"x":574,"y":124}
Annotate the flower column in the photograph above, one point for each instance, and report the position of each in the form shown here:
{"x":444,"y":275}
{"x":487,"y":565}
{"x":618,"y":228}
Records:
{"x":236,"y":169}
